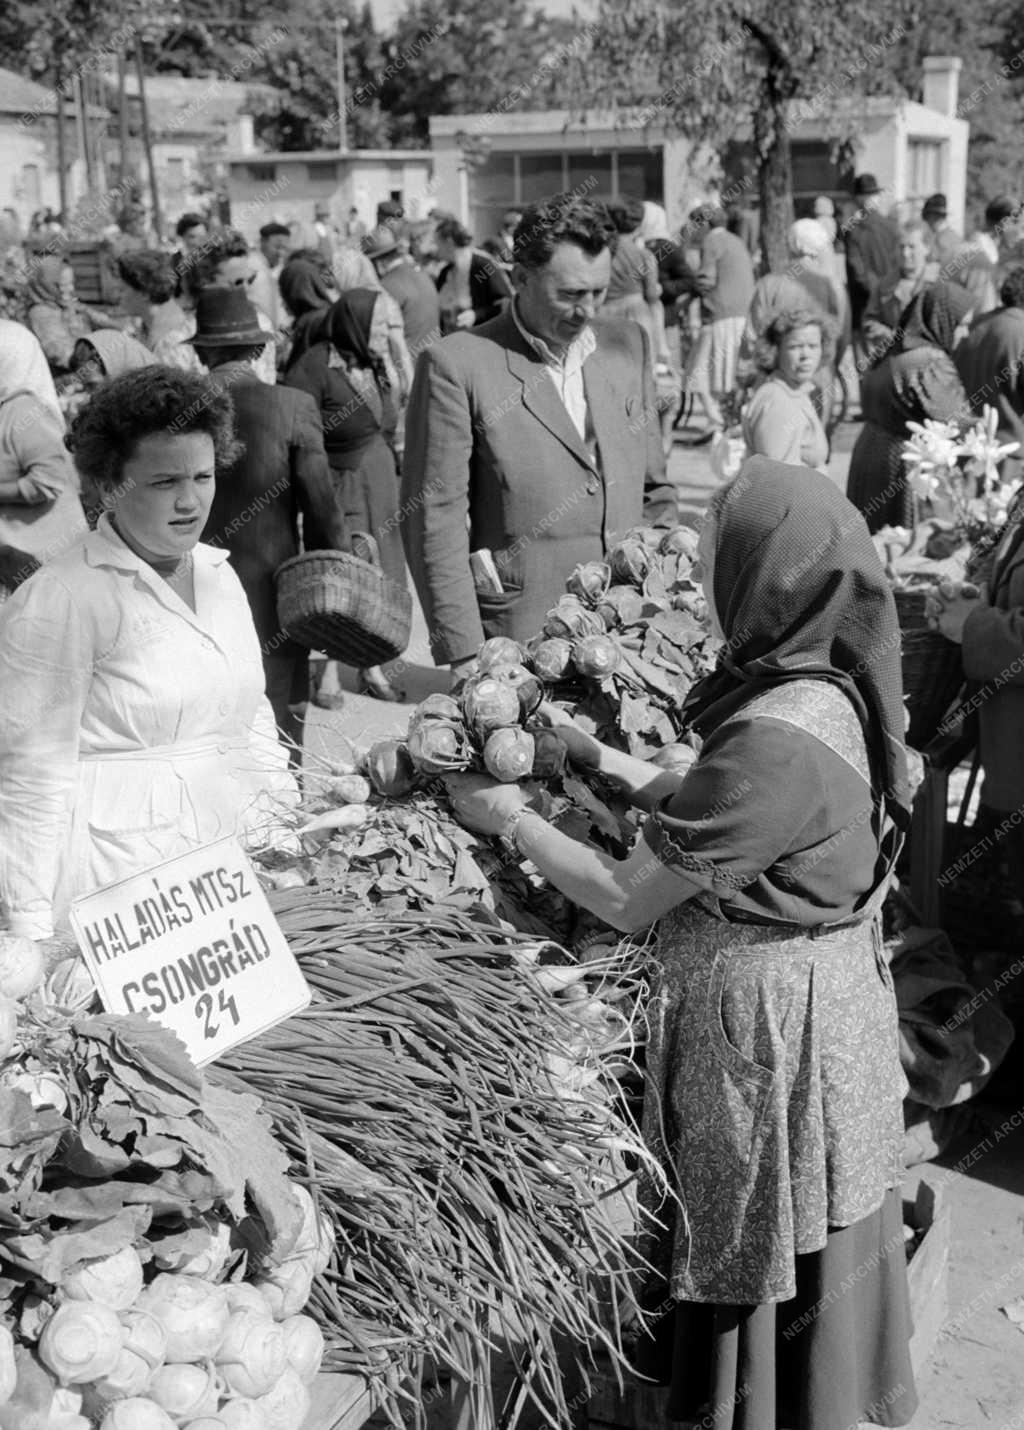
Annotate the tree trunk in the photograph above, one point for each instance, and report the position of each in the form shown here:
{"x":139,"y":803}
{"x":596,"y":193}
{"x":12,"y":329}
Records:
{"x":776,"y":176}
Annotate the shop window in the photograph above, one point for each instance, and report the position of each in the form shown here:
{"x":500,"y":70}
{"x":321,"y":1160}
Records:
{"x":541,"y":176}
{"x":590,"y":175}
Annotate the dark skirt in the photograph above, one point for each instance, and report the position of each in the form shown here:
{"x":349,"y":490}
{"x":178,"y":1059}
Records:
{"x":833,"y":1357}
{"x":366,"y":483}
{"x":877,"y":483}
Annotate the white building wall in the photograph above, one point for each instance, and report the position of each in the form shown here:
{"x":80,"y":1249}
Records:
{"x":30,"y":150}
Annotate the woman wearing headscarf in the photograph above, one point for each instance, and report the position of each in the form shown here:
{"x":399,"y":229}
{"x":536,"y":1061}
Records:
{"x":41,"y":514}
{"x":916,"y":380}
{"x":307,"y":290}
{"x":774,"y":1083}
{"x":346,"y":374}
{"x":102,"y":356}
{"x":55,"y":315}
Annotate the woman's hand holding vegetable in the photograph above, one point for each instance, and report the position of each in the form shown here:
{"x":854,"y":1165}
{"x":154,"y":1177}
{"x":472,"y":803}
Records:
{"x":583,"y":749}
{"x":483,"y":804}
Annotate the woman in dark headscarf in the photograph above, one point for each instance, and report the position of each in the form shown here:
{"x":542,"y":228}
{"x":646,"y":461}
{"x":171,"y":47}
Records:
{"x":307,"y":289}
{"x":915,"y":380}
{"x":774,"y":1084}
{"x":55,"y":314}
{"x":344,"y":370}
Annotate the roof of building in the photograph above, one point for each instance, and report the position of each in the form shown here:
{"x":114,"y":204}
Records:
{"x":23,"y":96}
{"x":319,"y":156}
{"x":178,"y":104}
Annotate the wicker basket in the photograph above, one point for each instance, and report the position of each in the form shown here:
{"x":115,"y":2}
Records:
{"x":933,"y":673}
{"x":345,"y":606}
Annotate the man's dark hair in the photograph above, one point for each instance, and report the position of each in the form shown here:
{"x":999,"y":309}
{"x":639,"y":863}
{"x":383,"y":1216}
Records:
{"x":1011,"y":293}
{"x":562,"y":219}
{"x":275,"y":230}
{"x":389,"y":209}
{"x":199,"y":270}
{"x":150,"y":401}
{"x":149,"y":272}
{"x":215,"y":356}
{"x":708,"y":216}
{"x":187,"y":222}
{"x":999,"y":210}
{"x":457,"y":233}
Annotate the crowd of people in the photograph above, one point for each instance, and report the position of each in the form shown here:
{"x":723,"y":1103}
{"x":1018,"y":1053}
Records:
{"x":488,"y":418}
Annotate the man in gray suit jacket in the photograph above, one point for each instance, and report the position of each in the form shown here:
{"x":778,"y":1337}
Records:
{"x":534,"y":439}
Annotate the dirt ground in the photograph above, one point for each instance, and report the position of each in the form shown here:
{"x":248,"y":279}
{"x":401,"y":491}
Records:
{"x":975,"y":1378}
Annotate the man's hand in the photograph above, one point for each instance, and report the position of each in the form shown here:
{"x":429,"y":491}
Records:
{"x":461,"y":668}
{"x":465,"y":319}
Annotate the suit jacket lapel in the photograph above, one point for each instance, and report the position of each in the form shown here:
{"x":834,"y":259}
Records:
{"x":604,"y":406}
{"x":540,"y":397}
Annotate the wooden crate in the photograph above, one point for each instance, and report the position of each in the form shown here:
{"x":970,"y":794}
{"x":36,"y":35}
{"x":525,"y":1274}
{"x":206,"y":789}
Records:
{"x":928,"y":1272}
{"x":340,"y":1402}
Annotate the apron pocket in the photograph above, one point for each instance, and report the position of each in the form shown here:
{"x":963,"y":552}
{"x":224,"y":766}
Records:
{"x":732,"y":1020}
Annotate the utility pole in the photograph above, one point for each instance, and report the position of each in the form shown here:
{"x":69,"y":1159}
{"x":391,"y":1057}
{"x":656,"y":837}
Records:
{"x":62,"y":154}
{"x":147,"y":140}
{"x":339,"y":49}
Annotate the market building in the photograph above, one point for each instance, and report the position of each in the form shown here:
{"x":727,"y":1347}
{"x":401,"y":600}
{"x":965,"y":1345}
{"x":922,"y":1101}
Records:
{"x":29,"y":164}
{"x":487,"y":162}
{"x":294,"y":182}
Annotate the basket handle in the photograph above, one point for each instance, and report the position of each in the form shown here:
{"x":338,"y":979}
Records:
{"x":365,"y":548}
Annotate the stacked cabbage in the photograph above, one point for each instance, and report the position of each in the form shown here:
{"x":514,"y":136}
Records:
{"x":157,"y":1257}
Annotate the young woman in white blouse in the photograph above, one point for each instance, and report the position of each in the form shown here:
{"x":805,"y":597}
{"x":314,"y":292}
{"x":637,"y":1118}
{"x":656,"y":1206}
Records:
{"x":133,"y":720}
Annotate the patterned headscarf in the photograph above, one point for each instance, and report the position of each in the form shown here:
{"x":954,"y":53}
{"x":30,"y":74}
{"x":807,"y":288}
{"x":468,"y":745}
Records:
{"x":801,"y":595}
{"x":304,"y":286}
{"x":932,"y":317}
{"x":347,"y":326}
{"x":44,"y":284}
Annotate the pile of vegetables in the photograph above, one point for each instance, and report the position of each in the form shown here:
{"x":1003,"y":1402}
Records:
{"x":468,"y":1075}
{"x":618,"y":652}
{"x":157,"y":1257}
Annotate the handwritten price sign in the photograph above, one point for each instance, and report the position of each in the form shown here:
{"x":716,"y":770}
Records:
{"x":194,"y":943}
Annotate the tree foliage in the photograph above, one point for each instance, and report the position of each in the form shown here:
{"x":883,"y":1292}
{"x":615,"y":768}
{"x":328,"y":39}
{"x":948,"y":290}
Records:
{"x":723,"y":71}
{"x":493,"y":55}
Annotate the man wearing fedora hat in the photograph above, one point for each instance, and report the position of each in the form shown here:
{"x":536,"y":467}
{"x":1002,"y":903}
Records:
{"x":872,"y":251}
{"x":946,"y":243}
{"x":413,"y":291}
{"x":282,"y":471}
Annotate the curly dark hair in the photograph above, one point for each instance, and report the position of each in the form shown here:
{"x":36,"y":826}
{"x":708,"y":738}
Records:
{"x":625,"y":212}
{"x":188,"y":222}
{"x":107,"y":430}
{"x":198,"y":269}
{"x":566,"y":218}
{"x":767,"y":350}
{"x":150,"y":272}
{"x":1011,"y":294}
{"x":451,"y":229}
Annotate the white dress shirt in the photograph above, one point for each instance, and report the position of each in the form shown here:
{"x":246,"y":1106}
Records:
{"x":566,"y":372}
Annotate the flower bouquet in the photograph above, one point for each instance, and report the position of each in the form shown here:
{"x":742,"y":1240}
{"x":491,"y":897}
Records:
{"x":954,"y":466}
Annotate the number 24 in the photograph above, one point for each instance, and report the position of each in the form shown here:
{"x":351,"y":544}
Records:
{"x":204,"y":1010}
